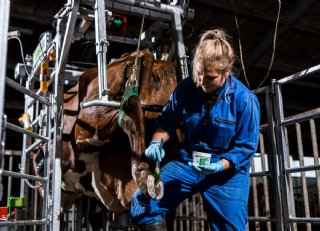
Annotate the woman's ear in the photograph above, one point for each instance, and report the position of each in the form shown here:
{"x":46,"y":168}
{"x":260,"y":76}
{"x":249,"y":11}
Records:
{"x":228,"y":71}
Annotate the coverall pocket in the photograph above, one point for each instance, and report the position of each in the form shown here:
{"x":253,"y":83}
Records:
{"x":222,"y":133}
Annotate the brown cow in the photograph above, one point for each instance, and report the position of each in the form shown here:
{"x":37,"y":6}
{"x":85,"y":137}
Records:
{"x":96,"y":149}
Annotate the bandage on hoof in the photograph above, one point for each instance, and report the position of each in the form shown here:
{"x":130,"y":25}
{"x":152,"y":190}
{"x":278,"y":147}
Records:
{"x":155,"y":187}
{"x":151,"y":187}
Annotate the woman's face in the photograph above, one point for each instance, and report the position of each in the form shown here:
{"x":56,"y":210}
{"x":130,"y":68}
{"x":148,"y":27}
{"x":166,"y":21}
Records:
{"x":210,"y":77}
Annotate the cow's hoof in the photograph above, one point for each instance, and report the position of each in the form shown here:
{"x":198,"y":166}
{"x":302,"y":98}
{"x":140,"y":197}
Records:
{"x":155,"y":187}
{"x":150,"y":186}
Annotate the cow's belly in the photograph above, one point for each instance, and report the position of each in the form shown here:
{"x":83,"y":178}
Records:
{"x":80,"y":182}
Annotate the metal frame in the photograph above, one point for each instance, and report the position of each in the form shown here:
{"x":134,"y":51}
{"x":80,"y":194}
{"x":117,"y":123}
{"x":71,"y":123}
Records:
{"x":24,"y":174}
{"x":62,"y":50}
{"x":270,"y":176}
{"x":289,"y":216}
{"x":4,"y":24}
{"x":51,"y":181}
{"x":175,"y":14}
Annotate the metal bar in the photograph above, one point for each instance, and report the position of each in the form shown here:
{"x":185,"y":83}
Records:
{"x":23,"y":90}
{"x":12,"y":152}
{"x":265,"y":181}
{"x":293,"y":212}
{"x":283,"y":155}
{"x":262,"y":219}
{"x":303,"y":175}
{"x":303,"y":168}
{"x":63,"y":38}
{"x":315,"y":155}
{"x":299,"y":75}
{"x":23,"y":176}
{"x":4,"y":24}
{"x":305,"y":220}
{"x":10,"y":178}
{"x":261,"y":90}
{"x":24,"y":192}
{"x":255,"y":195}
{"x":23,"y":223}
{"x":178,"y":37}
{"x":33,"y":146}
{"x":116,"y":104}
{"x":311,"y":114}
{"x":136,"y":11}
{"x":98,"y":102}
{"x":47,"y":197}
{"x":21,"y":130}
{"x":274,"y":158}
{"x":101,"y":47}
{"x":260,"y":174}
{"x":69,"y":74}
{"x":163,"y":8}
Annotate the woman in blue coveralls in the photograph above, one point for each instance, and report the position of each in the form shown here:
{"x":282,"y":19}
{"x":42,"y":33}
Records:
{"x":219,"y":116}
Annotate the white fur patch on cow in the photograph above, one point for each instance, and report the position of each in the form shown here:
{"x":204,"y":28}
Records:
{"x":94,"y":140}
{"x":71,"y":179}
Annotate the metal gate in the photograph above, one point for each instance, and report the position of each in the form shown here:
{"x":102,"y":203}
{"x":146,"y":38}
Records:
{"x":40,"y":122}
{"x":299,"y":159}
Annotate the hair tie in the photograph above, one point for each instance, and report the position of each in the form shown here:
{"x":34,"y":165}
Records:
{"x":212,"y":36}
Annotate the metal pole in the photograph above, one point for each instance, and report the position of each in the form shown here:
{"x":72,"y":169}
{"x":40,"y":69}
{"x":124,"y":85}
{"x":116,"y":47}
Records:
{"x":57,"y":101}
{"x":273,"y":161}
{"x":177,"y":25}
{"x":163,"y":8}
{"x":4,"y":24}
{"x":283,"y":157}
{"x":101,"y":47}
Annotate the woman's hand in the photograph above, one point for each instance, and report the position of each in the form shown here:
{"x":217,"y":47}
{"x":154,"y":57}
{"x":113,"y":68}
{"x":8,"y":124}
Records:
{"x":208,"y":169}
{"x":154,"y":152}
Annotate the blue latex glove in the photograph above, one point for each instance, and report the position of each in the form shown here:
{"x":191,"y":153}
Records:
{"x":208,"y":169}
{"x":153,"y":151}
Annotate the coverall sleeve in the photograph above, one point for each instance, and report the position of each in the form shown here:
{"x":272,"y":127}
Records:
{"x":247,"y":132}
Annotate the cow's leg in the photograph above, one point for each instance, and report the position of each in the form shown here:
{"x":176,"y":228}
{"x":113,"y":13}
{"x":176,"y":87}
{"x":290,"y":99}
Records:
{"x":133,"y":126}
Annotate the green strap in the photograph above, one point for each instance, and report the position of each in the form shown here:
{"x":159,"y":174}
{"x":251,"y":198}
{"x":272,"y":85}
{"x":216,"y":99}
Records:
{"x":130,"y":90}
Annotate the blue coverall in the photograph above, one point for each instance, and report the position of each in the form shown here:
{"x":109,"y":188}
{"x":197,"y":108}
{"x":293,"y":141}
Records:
{"x":230,"y":130}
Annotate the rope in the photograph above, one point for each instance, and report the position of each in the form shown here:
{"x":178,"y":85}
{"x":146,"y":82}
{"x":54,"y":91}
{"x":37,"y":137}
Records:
{"x":239,"y":41}
{"x":132,"y":83}
{"x":135,"y":65}
{"x":274,"y":45}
